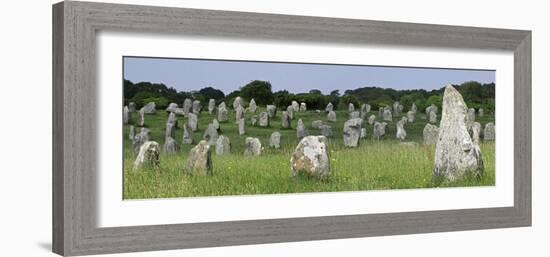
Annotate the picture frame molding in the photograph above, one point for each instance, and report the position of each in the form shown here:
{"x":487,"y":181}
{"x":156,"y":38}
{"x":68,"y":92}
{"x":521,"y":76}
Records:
{"x":75,"y":25}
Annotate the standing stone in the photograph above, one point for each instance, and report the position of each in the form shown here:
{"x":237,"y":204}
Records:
{"x":372,"y":119}
{"x":285,"y":120}
{"x":476,"y":132}
{"x":211,"y":105}
{"x":316,"y":124}
{"x":131,"y":132}
{"x":455,"y":153}
{"x":132,"y":107}
{"x":216,"y":124}
{"x":253,"y":146}
{"x":295,"y":106}
{"x":290,"y":111}
{"x":126,"y":115}
{"x":240,"y":124}
{"x":172,"y":119}
{"x":355,"y":115}
{"x":365,"y":108}
{"x":433,"y":117}
{"x":140,"y":138}
{"x":238,"y":102}
{"x":187,"y":134}
{"x":430,"y":134}
{"x":150,"y":108}
{"x":170,"y":130}
{"x":401,"y":133}
{"x":253,"y":120}
{"x":387,"y":115}
{"x":351,"y":107}
{"x":363,"y":133}
{"x":200,"y":159}
{"x":331,"y":116}
{"x":239,"y":113}
{"x":431,"y":108}
{"x":311,"y":157}
{"x":187,"y":104}
{"x":275,"y":140}
{"x":141,"y":117}
{"x":264,"y":119}
{"x":223,"y":146}
{"x":396,"y":109}
{"x":471,"y":117}
{"x":352,"y":132}
{"x":193,"y":122}
{"x":172,"y":107}
{"x":271,"y":110}
{"x":171,"y":146}
{"x":303,"y":107}
{"x":329,"y":107}
{"x":480,"y":112}
{"x":410,"y":116}
{"x":489,"y":132}
{"x":252,"y":106}
{"x":414,"y":108}
{"x":379,"y":130}
{"x":210,"y":134}
{"x":380,"y":111}
{"x":148,"y":156}
{"x":326,"y":130}
{"x":301,"y":130}
{"x":222,"y":113}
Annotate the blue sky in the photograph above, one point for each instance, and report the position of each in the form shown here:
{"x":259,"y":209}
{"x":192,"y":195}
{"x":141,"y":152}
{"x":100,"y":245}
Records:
{"x":189,"y":74}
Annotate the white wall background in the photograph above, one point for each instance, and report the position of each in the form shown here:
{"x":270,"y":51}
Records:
{"x":25,"y":154}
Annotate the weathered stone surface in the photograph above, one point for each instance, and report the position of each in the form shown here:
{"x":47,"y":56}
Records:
{"x":363,"y":133}
{"x":187,"y":104}
{"x":387,"y":115}
{"x":223,"y":145}
{"x":476,"y":132}
{"x":303,"y":107}
{"x":170,"y":130}
{"x":471,"y":118}
{"x":187,"y":135}
{"x":252,"y":106}
{"x":241,"y":125}
{"x":489,"y":132}
{"x":290,"y":111}
{"x":414,"y":108}
{"x":131,"y":132}
{"x":301,"y":130}
{"x":316,"y":124}
{"x":456,"y":155}
{"x":172,"y":107}
{"x":480,"y":112}
{"x":132,"y":106}
{"x":193,"y":121}
{"x":351,"y":107}
{"x":171,"y":146}
{"x":141,"y":138}
{"x":216,"y":124}
{"x":211,"y":106}
{"x":331,"y":116}
{"x":433,"y":117}
{"x":172,"y":118}
{"x":239,"y":113}
{"x":401,"y":133}
{"x":222,"y":113}
{"x":365,"y":108}
{"x":352,"y":132}
{"x":264,"y":119}
{"x":329,"y":107}
{"x":141,"y":117}
{"x":148,"y":156}
{"x":211,"y":134}
{"x":179,"y":111}
{"x":126,"y":115}
{"x":150,"y":108}
{"x":411,"y":116}
{"x":238,"y":102}
{"x":311,"y":157}
{"x":372,"y":119}
{"x":253,"y":146}
{"x":200,"y":159}
{"x":275,"y":140}
{"x":271,"y":110}
{"x":326,"y":130}
{"x":397,"y":107}
{"x":379,"y":130}
{"x":430,"y":134}
{"x":431,"y":108}
{"x":295,"y":106}
{"x":285,"y":120}
{"x":254,"y":120}
{"x":354,"y":115}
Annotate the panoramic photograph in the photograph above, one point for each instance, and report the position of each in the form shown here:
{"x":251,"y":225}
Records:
{"x":200,"y":127}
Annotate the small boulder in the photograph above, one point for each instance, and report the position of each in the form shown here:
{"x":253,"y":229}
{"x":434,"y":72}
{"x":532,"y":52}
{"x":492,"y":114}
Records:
{"x":253,"y":146}
{"x":200,"y":159}
{"x":171,"y":146}
{"x":326,"y":130}
{"x":352,"y":132}
{"x":223,"y":146}
{"x":401,"y":133}
{"x":285,"y":120}
{"x":271,"y":110}
{"x":301,"y":130}
{"x":311,"y":157}
{"x":331,"y":116}
{"x":275,"y":140}
{"x":489,"y":132}
{"x":264,"y":119}
{"x":430,"y":134}
{"x":149,"y":108}
{"x":149,"y":156}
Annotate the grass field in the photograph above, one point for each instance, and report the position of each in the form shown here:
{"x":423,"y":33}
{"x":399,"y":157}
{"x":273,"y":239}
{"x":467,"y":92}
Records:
{"x":384,"y":164}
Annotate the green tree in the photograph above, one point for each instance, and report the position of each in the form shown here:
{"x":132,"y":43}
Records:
{"x":211,"y":93}
{"x":259,"y":90}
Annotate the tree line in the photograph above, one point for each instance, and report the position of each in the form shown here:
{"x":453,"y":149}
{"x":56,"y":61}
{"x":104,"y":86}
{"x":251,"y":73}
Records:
{"x":475,"y":94}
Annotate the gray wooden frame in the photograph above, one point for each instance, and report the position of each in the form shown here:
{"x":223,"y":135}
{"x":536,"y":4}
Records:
{"x":74,"y":131}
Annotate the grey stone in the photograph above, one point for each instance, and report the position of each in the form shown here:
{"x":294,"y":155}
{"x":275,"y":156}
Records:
{"x":351,"y":107}
{"x":290,"y":111}
{"x":216,"y":124}
{"x":372,"y":119}
{"x":363,"y":133}
{"x":187,"y":104}
{"x":170,"y":130}
{"x":397,"y":109}
{"x":253,"y":146}
{"x":401,"y":133}
{"x":187,"y":135}
{"x":254,"y":120}
{"x":301,"y":130}
{"x":303,"y":107}
{"x":387,"y":115}
{"x":132,"y":107}
{"x":430,"y":134}
{"x":471,"y":118}
{"x":238,"y":102}
{"x":456,"y":155}
{"x":200,"y":159}
{"x":311,"y":156}
{"x":211,"y":134}
{"x":148,"y":156}
{"x":275,"y":140}
{"x":241,"y":125}
{"x":489,"y":132}
{"x":379,"y":130}
{"x":329,"y":107}
{"x":171,"y":146}
{"x":285,"y":120}
{"x":433,"y":117}
{"x":295,"y":106}
{"x":222,"y":113}
{"x":316,"y":124}
{"x":476,"y":132}
{"x":331,"y":116}
{"x":414,"y":108}
{"x":431,"y":108}
{"x":480,"y":112}
{"x":126,"y":115}
{"x":172,"y":107}
{"x":223,"y":145}
{"x":326,"y":130}
{"x":239,"y":113}
{"x":131,"y":132}
{"x":193,"y":121}
{"x":352,"y":132}
{"x":211,"y":106}
{"x":354,"y":115}
{"x":141,"y":117}
{"x":172,"y":119}
{"x":141,"y":138}
{"x":365,"y":109}
{"x":264,"y":119}
{"x":411,"y":116}
{"x":252,"y":106}
{"x":271,"y":110}
{"x":150,"y":108}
